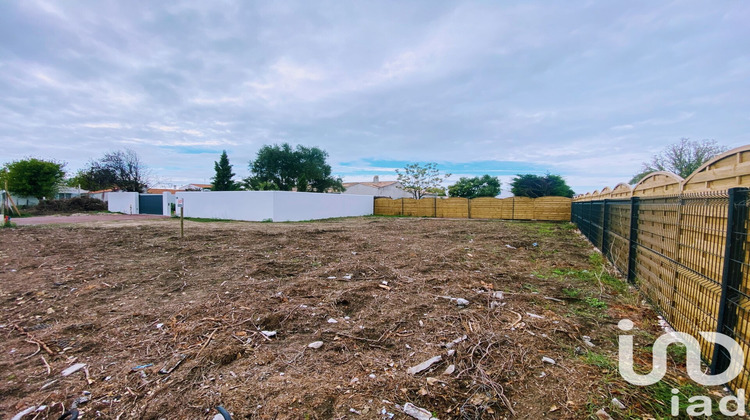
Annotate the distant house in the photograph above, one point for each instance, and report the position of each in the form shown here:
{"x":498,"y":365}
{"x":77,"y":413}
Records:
{"x":162,"y":190}
{"x":62,"y":193}
{"x":69,"y":192}
{"x":100,"y":194}
{"x":377,"y":188}
{"x":196,"y":187}
{"x":175,"y":189}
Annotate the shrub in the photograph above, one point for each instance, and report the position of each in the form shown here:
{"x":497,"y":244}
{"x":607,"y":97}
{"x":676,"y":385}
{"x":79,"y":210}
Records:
{"x":71,"y":205}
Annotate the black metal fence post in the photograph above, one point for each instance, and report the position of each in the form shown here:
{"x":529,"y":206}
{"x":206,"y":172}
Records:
{"x":605,"y":222}
{"x":731,"y":276}
{"x":635,"y":203}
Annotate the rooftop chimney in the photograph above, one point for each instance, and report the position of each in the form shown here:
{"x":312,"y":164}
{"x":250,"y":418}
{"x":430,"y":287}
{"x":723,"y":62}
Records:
{"x":376,"y":179}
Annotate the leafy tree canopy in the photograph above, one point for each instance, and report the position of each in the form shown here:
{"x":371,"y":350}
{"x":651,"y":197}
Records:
{"x":420,"y":179}
{"x":484,"y":186}
{"x":33,"y":177}
{"x":681,"y":158}
{"x":437,"y":191}
{"x":534,"y":186}
{"x":279,"y":167}
{"x":223,"y":180}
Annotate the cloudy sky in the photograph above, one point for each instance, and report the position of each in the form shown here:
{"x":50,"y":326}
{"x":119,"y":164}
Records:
{"x":588,"y":90}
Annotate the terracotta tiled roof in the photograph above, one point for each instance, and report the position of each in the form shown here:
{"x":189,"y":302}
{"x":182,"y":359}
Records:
{"x":162,"y":190}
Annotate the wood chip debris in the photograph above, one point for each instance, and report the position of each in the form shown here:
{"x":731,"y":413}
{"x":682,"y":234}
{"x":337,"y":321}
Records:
{"x":416,"y":412}
{"x":424,"y":365}
{"x":73,"y":369}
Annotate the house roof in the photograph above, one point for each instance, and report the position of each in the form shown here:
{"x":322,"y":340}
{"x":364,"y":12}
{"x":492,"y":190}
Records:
{"x":201,"y":185}
{"x":381,"y":184}
{"x":162,"y":190}
{"x":66,"y":190}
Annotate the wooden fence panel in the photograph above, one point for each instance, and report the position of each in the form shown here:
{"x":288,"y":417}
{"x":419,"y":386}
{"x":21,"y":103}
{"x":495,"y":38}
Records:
{"x":523,"y":208}
{"x":427,"y":207}
{"x":518,"y":208}
{"x":410,"y":207}
{"x":387,"y":207}
{"x":552,"y":208}
{"x":491,"y":208}
{"x":453,"y":207}
{"x":681,"y":260}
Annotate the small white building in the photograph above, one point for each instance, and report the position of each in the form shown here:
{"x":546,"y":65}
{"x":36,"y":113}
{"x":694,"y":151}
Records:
{"x":69,"y":192}
{"x":62,"y":193}
{"x":377,"y":188}
{"x":196,"y":187}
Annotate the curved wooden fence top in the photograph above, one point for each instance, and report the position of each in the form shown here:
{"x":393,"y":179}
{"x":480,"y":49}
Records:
{"x":658,"y":183}
{"x":730,"y":169}
{"x":622,"y":190}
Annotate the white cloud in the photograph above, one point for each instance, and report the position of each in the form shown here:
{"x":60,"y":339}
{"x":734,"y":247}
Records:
{"x":112,"y":125}
{"x":588,"y":90}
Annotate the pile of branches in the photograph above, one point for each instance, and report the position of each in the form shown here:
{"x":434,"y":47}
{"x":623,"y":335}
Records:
{"x":70,"y":205}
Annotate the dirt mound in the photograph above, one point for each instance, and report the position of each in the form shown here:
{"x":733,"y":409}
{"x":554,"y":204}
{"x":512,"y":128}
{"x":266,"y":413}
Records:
{"x":70,"y":205}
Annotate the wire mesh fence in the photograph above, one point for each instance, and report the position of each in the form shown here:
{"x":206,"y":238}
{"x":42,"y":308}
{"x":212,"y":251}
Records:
{"x":689,"y":255}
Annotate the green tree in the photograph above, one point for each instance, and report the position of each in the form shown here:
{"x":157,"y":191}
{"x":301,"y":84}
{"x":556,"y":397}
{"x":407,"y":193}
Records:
{"x":280,"y":167}
{"x":122,"y":169}
{"x":484,"y":186}
{"x":534,"y":186}
{"x":33,"y":177}
{"x":420,"y":179}
{"x":438,"y":191}
{"x":93,"y":178}
{"x":681,"y":158}
{"x":223,"y":180}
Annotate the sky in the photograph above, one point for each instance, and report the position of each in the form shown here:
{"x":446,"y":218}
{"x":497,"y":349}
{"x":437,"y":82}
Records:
{"x":588,"y":90}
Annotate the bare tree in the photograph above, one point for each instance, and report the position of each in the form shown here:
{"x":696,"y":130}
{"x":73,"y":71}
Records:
{"x":681,"y":158}
{"x":121,"y":169}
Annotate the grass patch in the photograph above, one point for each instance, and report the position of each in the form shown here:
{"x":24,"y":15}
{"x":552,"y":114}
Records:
{"x":596,"y":259}
{"x":208,"y":220}
{"x":572,"y":293}
{"x":595,"y":303}
{"x":530,"y":287}
{"x":546,"y":229}
{"x":596,"y":275}
{"x":657,"y":398}
{"x":599,"y":360}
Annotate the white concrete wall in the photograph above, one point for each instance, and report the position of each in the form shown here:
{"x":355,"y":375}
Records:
{"x":232,"y":205}
{"x":394,"y":191}
{"x":279,"y":206}
{"x":361,"y":189}
{"x":104,"y":196}
{"x":296,"y":206}
{"x":123,"y":202}
{"x":24,"y":201}
{"x":167,"y":200}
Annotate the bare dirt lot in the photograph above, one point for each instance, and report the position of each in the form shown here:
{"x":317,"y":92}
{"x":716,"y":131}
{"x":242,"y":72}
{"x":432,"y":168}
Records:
{"x":170,"y":328}
{"x":81,"y":218}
